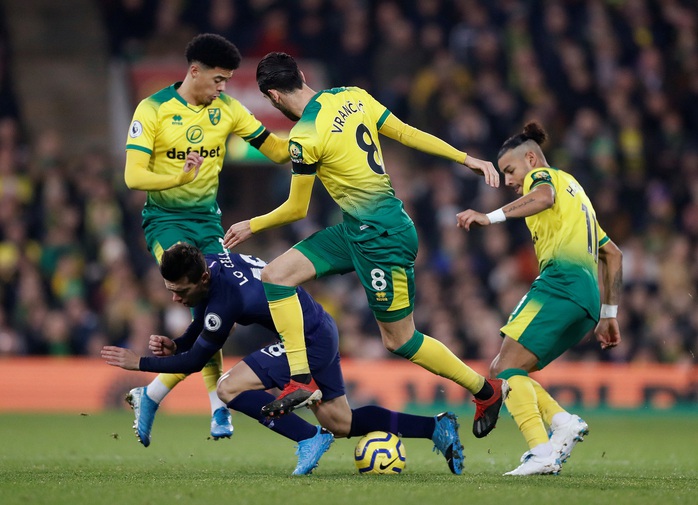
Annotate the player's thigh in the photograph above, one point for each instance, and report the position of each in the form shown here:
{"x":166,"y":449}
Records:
{"x":328,"y":250}
{"x":204,"y":234}
{"x":547,"y":325}
{"x":385,"y":267}
{"x":270,"y":363}
{"x":324,"y":360}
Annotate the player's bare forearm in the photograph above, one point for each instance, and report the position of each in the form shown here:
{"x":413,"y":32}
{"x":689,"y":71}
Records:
{"x":539,"y":199}
{"x":118,"y":356}
{"x":611,"y":261}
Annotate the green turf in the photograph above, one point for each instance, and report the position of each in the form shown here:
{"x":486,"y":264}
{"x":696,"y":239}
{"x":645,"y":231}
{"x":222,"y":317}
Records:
{"x":95,"y":459}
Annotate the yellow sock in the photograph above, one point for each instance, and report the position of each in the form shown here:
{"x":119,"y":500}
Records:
{"x":547,"y":406}
{"x":286,"y":311}
{"x":170,"y":380}
{"x":212,"y":371}
{"x":522,"y":404}
{"x":434,"y":356}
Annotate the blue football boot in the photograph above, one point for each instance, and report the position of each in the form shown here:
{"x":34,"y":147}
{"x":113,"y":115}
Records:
{"x":221,"y":424}
{"x":145,"y":410}
{"x":447,"y":442}
{"x":310,"y":451}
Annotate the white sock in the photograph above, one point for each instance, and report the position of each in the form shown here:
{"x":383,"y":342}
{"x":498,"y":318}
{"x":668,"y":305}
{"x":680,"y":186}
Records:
{"x":216,"y":402}
{"x":544,"y":449}
{"x":560,"y":418}
{"x":157,"y":390}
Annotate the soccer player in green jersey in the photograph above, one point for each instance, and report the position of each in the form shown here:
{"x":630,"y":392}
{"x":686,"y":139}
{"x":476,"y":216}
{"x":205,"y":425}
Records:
{"x":563,"y":302}
{"x":336,"y":139}
{"x":175,"y":150}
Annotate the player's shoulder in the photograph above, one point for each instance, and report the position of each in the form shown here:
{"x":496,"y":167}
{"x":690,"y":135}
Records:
{"x":231,"y":102}
{"x":157,"y":99}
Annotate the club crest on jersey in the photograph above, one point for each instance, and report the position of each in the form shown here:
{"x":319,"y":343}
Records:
{"x":541,"y":176}
{"x":296,"y":151}
{"x":214,"y":115}
{"x":136,"y":129}
{"x":212,"y":321}
{"x":195,"y":134}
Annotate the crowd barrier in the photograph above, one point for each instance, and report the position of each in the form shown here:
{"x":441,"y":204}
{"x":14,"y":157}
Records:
{"x":87,"y":385}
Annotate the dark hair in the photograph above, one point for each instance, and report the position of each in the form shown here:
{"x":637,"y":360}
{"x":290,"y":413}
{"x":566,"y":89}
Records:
{"x":182,"y":260}
{"x":278,"y":71}
{"x":532,"y":131}
{"x":213,"y":51}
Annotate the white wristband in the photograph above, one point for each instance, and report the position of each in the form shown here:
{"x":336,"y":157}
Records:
{"x":609,"y":311}
{"x":496,"y":216}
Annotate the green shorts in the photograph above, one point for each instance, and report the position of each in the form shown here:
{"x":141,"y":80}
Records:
{"x":205,"y":234}
{"x":547,"y":324}
{"x":384,"y":265}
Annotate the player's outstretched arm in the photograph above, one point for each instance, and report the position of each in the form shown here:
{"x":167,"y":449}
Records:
{"x":611,"y":272}
{"x":293,"y":209}
{"x":539,"y":199}
{"x":425,"y":142}
{"x":138,"y":176}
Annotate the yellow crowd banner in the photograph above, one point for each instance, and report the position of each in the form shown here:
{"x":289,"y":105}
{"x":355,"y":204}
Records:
{"x":88,"y":385}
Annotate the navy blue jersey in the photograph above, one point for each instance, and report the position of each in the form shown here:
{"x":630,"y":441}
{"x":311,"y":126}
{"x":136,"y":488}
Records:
{"x":236,"y":295}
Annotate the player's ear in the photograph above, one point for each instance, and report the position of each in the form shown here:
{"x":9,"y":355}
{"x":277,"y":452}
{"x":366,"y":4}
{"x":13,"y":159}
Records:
{"x":531,"y":159}
{"x":302,"y":76}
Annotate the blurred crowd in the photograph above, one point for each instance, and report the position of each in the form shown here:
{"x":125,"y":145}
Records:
{"x":615,"y":83}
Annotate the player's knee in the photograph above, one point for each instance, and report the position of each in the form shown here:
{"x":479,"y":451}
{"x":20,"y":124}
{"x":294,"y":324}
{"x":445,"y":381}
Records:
{"x":267,"y":274}
{"x":226,"y":391}
{"x":271,"y":275}
{"x":495,"y":368}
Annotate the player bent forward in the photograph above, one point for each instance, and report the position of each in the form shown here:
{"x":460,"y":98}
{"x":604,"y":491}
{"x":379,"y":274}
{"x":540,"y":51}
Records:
{"x":563,"y":302}
{"x":224,"y":289}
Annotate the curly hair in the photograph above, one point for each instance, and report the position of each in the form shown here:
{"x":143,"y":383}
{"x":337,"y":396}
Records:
{"x":213,"y":51}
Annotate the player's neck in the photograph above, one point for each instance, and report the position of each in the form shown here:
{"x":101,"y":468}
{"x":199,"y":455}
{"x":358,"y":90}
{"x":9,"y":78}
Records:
{"x":299,"y":99}
{"x":185,"y":91}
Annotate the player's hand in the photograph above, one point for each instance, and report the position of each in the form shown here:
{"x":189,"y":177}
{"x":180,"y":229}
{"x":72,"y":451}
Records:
{"x":162,"y":346}
{"x":482,"y":167}
{"x":192,"y":165}
{"x":469,"y":217}
{"x":237,"y":234}
{"x":118,"y":356}
{"x":608,"y":332}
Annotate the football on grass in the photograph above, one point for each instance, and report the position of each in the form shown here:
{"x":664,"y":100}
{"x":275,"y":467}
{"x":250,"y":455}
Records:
{"x":380,"y":452}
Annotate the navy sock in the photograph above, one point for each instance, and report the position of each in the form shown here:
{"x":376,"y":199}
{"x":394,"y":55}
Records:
{"x":372,"y":418}
{"x":290,"y":426}
{"x":486,"y":392}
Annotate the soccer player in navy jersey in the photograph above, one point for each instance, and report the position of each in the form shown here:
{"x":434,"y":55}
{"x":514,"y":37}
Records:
{"x":225,"y":289}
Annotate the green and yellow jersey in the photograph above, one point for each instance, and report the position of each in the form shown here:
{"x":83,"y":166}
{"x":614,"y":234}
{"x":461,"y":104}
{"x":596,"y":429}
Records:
{"x":167,"y":128}
{"x":337,"y":139}
{"x":567,"y":238}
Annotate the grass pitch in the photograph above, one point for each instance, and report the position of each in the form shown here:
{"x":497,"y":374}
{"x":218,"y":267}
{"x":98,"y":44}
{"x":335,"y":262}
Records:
{"x":95,"y":459}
